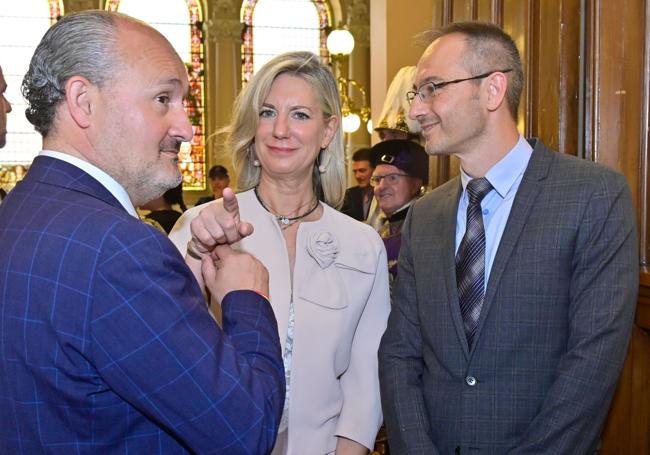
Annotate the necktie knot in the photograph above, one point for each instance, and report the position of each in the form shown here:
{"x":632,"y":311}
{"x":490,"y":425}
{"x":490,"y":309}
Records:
{"x":477,"y":189}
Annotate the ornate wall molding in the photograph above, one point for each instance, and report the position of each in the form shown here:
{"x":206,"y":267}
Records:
{"x":71,"y":6}
{"x":220,"y":29}
{"x":223,"y":21}
{"x":361,"y":35}
{"x":224,"y":9}
{"x":358,"y":13}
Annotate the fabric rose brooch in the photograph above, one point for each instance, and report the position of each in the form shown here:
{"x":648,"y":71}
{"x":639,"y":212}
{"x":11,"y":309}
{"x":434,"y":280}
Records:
{"x":322,"y":246}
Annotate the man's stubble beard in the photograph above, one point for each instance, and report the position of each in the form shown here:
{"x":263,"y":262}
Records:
{"x":149,"y":186}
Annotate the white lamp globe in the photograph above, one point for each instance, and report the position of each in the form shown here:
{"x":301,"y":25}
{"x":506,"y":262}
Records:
{"x":351,"y":123}
{"x":340,"y":41}
{"x":369,"y":126}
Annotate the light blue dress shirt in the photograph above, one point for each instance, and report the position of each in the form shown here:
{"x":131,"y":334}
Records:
{"x":505,"y":177}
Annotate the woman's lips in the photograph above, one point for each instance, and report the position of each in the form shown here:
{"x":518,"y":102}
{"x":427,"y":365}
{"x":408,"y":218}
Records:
{"x":280,"y":149}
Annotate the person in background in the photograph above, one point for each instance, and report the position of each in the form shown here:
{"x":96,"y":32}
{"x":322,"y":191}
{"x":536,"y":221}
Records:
{"x":107,"y":344}
{"x":328,"y":275}
{"x":517,"y":280}
{"x":219,"y":179}
{"x":401,"y":169}
{"x":394,"y":124}
{"x":166,"y":209}
{"x":5,"y":108}
{"x":357,"y":200}
{"x":19,"y":172}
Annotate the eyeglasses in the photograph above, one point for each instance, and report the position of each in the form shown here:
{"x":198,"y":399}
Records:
{"x":391,"y":179}
{"x":428,"y":90}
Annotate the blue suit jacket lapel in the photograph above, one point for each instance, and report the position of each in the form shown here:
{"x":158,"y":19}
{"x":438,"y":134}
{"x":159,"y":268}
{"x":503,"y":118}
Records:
{"x":55,"y":172}
{"x":531,"y":185}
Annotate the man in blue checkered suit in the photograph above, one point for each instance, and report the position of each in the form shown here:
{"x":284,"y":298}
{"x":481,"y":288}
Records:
{"x":106,"y":344}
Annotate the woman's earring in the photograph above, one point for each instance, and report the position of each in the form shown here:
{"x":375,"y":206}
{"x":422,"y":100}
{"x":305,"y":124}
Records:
{"x":321,"y":167}
{"x":256,"y":163}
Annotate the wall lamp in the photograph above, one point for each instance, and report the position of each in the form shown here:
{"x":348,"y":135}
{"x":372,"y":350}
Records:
{"x":340,"y":44}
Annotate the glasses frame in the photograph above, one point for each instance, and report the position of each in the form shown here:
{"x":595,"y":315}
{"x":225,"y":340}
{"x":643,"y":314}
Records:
{"x":391,"y":176}
{"x":411,"y":94}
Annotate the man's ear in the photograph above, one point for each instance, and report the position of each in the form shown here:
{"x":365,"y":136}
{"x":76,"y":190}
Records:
{"x":79,"y":93}
{"x":497,"y":86}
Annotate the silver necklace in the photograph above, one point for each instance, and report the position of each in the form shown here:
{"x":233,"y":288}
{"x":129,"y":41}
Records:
{"x":284,"y":220}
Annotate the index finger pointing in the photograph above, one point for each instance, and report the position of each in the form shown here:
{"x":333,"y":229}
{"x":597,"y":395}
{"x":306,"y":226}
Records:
{"x":230,"y":201}
{"x":230,"y":220}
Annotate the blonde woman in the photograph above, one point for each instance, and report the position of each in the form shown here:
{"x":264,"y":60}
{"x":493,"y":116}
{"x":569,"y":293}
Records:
{"x":328,"y":273}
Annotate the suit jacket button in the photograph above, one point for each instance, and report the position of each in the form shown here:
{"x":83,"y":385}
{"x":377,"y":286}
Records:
{"x":470,"y":381}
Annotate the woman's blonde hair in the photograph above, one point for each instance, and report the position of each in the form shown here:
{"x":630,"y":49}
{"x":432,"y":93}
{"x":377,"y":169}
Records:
{"x":329,"y":185}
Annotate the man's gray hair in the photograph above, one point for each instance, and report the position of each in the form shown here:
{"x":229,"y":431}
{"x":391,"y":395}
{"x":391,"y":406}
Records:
{"x":489,"y":48}
{"x":80,"y":44}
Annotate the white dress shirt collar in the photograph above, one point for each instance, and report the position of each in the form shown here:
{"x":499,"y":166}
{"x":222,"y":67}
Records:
{"x":102,"y":177}
{"x":508,"y":170}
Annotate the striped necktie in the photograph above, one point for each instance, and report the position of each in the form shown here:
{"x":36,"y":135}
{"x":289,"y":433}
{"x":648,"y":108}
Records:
{"x":470,"y":260}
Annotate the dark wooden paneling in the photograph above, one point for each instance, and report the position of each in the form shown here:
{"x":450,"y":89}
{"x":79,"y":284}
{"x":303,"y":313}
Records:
{"x":614,"y":86}
{"x":483,"y":10}
{"x":627,"y":429}
{"x":556,"y":74}
{"x":643,"y":309}
{"x":616,"y":133}
{"x":517,"y":20}
{"x":497,"y":12}
{"x":644,"y":139}
{"x":464,"y":10}
{"x":639,"y":437}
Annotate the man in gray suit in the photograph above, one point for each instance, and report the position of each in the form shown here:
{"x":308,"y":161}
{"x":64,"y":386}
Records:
{"x":513,"y":307}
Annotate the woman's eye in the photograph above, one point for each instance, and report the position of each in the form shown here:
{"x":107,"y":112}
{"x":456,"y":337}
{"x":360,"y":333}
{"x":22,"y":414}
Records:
{"x":266,"y":113}
{"x":301,"y":115}
{"x":163,"y":99}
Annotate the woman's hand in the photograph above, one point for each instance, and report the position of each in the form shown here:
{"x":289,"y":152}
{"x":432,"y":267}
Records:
{"x":217,"y":224}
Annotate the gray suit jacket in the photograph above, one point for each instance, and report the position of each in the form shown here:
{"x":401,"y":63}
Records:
{"x":553,"y":330}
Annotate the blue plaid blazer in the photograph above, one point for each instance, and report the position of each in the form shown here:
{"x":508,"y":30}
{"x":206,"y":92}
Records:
{"x":106,"y":345}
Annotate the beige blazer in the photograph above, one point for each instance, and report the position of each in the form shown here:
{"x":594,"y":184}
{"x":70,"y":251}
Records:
{"x":341,"y":301}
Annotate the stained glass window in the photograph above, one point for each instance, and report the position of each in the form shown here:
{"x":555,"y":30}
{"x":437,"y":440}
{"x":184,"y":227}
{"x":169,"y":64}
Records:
{"x":181,"y":22}
{"x":272,"y":27}
{"x":22,"y":25}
